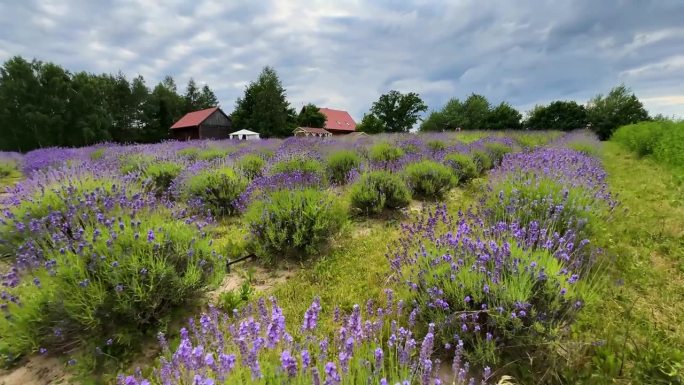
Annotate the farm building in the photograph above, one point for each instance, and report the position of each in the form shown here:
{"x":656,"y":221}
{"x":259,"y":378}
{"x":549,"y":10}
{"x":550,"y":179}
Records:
{"x":244,"y":135}
{"x":311,"y":132}
{"x":211,"y":123}
{"x":338,"y":122}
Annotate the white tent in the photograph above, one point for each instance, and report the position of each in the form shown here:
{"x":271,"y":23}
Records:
{"x":244,"y":135}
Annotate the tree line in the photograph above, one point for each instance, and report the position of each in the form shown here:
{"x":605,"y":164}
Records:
{"x":43,"y":105}
{"x":397,"y":112}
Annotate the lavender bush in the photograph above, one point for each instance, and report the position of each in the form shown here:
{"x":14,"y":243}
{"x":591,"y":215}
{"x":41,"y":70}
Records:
{"x":256,"y":346}
{"x":293,"y":223}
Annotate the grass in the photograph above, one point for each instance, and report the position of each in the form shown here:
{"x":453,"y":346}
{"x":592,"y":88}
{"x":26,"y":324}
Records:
{"x":638,"y":329}
{"x":355,"y":269}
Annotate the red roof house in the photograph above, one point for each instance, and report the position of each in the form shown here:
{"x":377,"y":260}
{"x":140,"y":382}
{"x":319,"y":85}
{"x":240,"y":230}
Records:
{"x":338,"y":122}
{"x":211,"y":123}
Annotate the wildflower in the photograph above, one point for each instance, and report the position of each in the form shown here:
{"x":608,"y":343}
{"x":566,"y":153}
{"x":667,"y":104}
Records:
{"x":288,"y":363}
{"x":150,"y":236}
{"x":331,"y":375}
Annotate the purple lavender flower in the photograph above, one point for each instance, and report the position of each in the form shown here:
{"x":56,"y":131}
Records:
{"x":288,"y":363}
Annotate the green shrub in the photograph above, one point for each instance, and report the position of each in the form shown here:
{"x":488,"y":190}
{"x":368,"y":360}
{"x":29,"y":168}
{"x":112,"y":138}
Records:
{"x":462,"y":165}
{"x":191,"y":153}
{"x":213,"y":153}
{"x":385,"y":152}
{"x":97,"y":154}
{"x":551,"y":204}
{"x":160,"y":175}
{"x":436,"y":145}
{"x":340,"y":163}
{"x":429,"y":179}
{"x":584,"y":148}
{"x":217,"y":189}
{"x":141,"y":271}
{"x":641,"y":138}
{"x":251,"y":165}
{"x":293,"y":223}
{"x":135,"y":163}
{"x":234,"y":299}
{"x":379,"y":190}
{"x":9,"y":169}
{"x":497,"y":151}
{"x":670,"y":147}
{"x":56,"y":197}
{"x":525,"y":314}
{"x":305,"y":165}
{"x":483,"y":161}
{"x":664,"y":140}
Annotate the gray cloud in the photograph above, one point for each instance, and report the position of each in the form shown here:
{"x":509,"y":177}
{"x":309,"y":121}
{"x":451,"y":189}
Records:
{"x":344,"y":54}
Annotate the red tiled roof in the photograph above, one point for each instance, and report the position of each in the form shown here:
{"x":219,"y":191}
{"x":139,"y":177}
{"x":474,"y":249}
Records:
{"x":194,"y":118}
{"x":338,"y":120}
{"x":313,"y":130}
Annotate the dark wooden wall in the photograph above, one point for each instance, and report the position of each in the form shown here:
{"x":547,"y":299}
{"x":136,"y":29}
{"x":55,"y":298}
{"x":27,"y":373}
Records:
{"x":216,"y":126}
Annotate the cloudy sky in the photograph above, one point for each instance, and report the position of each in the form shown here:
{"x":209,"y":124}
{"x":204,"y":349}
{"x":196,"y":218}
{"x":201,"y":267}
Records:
{"x":344,"y":54}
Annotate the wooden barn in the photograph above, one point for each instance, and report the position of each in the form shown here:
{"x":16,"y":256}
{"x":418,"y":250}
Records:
{"x":211,"y":123}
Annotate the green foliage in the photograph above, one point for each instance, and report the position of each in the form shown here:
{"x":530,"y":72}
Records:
{"x":620,"y":107}
{"x":190,"y":152}
{"x":645,"y":280}
{"x":558,"y":115}
{"x":462,"y":165}
{"x":234,"y":299}
{"x":384,"y":152}
{"x":398,"y":112}
{"x":97,"y":154}
{"x":370,"y":124}
{"x":160,"y":175}
{"x":9,"y":169}
{"x":663,"y":140}
{"x":531,"y":139}
{"x":45,"y":106}
{"x":217,"y":189}
{"x":504,"y":117}
{"x":251,"y":165}
{"x":133,"y":284}
{"x":196,"y":99}
{"x":311,"y":116}
{"x":340,"y":163}
{"x":264,"y":108}
{"x":213,"y":153}
{"x":547,"y":202}
{"x":134,"y":163}
{"x":429,"y":179}
{"x":475,"y":113}
{"x":293,"y":223}
{"x":483,"y":160}
{"x":379,"y":190}
{"x":436,"y":145}
{"x":515,"y":335}
{"x":301,"y":164}
{"x":497,"y":151}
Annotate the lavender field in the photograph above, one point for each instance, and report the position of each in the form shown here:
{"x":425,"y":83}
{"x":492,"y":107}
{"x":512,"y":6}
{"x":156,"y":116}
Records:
{"x":455,"y":258}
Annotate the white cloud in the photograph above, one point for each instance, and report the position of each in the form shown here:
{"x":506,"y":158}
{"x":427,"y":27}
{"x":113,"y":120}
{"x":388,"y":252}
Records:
{"x":346,"y":53}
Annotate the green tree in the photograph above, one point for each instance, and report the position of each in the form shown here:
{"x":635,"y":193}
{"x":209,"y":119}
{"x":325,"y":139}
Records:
{"x":264,"y":107}
{"x":620,"y":107}
{"x":558,"y":115}
{"x":191,"y":97}
{"x":20,"y":91}
{"x":475,"y":112}
{"x":311,"y":116}
{"x":207,"y":98}
{"x":370,"y":124}
{"x":504,"y":117}
{"x":398,"y":112}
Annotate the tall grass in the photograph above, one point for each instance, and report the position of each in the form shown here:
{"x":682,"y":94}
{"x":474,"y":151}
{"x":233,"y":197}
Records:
{"x":662,"y":140}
